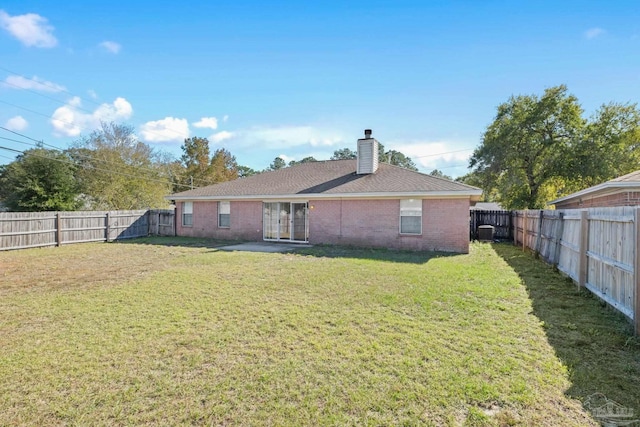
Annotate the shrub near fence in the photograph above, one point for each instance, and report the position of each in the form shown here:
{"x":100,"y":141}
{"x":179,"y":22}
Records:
{"x":21,"y":230}
{"x":597,"y":248}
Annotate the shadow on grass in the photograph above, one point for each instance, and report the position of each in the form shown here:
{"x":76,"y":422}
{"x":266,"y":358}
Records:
{"x":190,"y":242}
{"x":594,"y":341}
{"x":320,"y":251}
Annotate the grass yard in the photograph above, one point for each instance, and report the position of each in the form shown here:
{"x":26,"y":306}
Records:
{"x":175,"y":332}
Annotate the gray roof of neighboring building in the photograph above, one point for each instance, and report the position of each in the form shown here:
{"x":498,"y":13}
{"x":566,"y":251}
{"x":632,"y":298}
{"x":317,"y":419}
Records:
{"x":486,"y":206}
{"x":331,"y":178}
{"x":625,"y":182}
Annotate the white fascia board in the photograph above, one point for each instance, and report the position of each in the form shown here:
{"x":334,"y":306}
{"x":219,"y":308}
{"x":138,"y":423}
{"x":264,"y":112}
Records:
{"x":472,"y":194}
{"x":605,"y":187}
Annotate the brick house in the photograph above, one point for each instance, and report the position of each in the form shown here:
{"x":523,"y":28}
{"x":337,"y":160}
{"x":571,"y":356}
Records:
{"x":621,"y":191}
{"x":346,"y":202}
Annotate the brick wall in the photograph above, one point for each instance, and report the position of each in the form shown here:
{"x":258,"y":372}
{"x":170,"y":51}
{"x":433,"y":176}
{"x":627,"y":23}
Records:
{"x":375,"y":223}
{"x":245,"y":221}
{"x":368,"y":223}
{"x":626,"y":198}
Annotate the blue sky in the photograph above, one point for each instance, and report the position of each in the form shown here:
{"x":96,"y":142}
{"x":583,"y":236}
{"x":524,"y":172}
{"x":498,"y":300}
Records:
{"x":293,"y":79}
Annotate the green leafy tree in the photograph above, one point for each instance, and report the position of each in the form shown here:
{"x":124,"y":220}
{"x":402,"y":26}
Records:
{"x":440,"y":174}
{"x":307,"y":159}
{"x":245,"y":171}
{"x":40,"y":180}
{"x":525,"y":149}
{"x":278,"y":163}
{"x":117,"y":171}
{"x":344,"y":154}
{"x":196,"y":162}
{"x":609,"y":147}
{"x":223,"y":167}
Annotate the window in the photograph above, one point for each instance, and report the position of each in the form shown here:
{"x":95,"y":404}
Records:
{"x":411,"y":216}
{"x":187,"y":214}
{"x":224,"y":214}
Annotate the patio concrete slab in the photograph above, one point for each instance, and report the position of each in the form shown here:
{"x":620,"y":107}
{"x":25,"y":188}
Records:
{"x":264,"y":247}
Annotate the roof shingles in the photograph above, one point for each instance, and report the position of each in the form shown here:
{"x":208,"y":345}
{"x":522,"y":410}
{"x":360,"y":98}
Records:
{"x":331,"y":177}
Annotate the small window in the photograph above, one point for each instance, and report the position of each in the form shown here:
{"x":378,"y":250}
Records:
{"x":224,"y":214}
{"x":187,"y":214}
{"x":411,"y":216}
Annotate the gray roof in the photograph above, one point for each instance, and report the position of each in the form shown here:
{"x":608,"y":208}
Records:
{"x":486,"y":206}
{"x":330,"y":178}
{"x":628,"y":182}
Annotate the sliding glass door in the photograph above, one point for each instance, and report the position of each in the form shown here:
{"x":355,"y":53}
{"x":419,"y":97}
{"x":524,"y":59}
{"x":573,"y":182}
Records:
{"x":285,"y":221}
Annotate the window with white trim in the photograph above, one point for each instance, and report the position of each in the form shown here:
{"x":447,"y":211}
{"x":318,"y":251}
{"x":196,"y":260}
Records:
{"x":224,"y":214}
{"x":187,"y":214}
{"x":411,"y":216}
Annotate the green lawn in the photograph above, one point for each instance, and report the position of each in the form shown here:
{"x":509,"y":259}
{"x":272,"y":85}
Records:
{"x":176,"y":332}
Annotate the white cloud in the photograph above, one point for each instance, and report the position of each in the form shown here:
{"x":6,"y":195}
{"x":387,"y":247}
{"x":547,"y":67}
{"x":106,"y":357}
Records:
{"x":168,"y":129}
{"x":433,"y":155}
{"x":71,"y":120}
{"x":207,"y":122}
{"x":225,"y":118}
{"x":221,"y":136}
{"x":592,"y":33}
{"x":287,"y":137}
{"x":111,"y":47}
{"x":30,"y":29}
{"x":34,"y":83}
{"x":16,"y":123}
{"x":92,"y":93}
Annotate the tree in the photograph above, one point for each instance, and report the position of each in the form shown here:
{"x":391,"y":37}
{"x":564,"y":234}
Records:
{"x":40,"y":180}
{"x":525,"y":149}
{"x":344,"y":154}
{"x":245,"y":171}
{"x":440,"y":174}
{"x":307,"y":159}
{"x":398,"y":159}
{"x":278,"y":163}
{"x":392,"y":157}
{"x":610,"y":146}
{"x":196,"y":162}
{"x":117,"y":171}
{"x":223,"y":167}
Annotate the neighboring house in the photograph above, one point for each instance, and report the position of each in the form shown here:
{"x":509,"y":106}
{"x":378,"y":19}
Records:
{"x":486,"y":206}
{"x":621,"y":191}
{"x":345,"y":202}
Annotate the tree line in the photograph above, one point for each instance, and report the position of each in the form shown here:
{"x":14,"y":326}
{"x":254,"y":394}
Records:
{"x":112,"y":169}
{"x":539,"y":148}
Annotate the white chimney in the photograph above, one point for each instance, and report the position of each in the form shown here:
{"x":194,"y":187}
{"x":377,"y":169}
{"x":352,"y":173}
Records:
{"x":367,"y":154}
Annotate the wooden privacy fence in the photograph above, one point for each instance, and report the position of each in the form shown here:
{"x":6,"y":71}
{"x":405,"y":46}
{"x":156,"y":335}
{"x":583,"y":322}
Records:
{"x":597,"y":248}
{"x":500,"y":220}
{"x":21,"y":230}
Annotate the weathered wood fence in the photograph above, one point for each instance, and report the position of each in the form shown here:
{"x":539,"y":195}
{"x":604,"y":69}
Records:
{"x":21,"y":230}
{"x":598,"y":248}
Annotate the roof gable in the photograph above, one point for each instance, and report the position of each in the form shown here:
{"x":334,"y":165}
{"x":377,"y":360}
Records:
{"x":625,"y":182}
{"x":327,"y":178}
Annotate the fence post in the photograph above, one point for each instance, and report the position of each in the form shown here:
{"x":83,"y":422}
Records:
{"x":524,"y":229}
{"x":58,"y":229}
{"x":106,"y":227}
{"x":558,"y":247}
{"x":539,"y":238}
{"x":636,"y":271}
{"x":584,"y":246}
